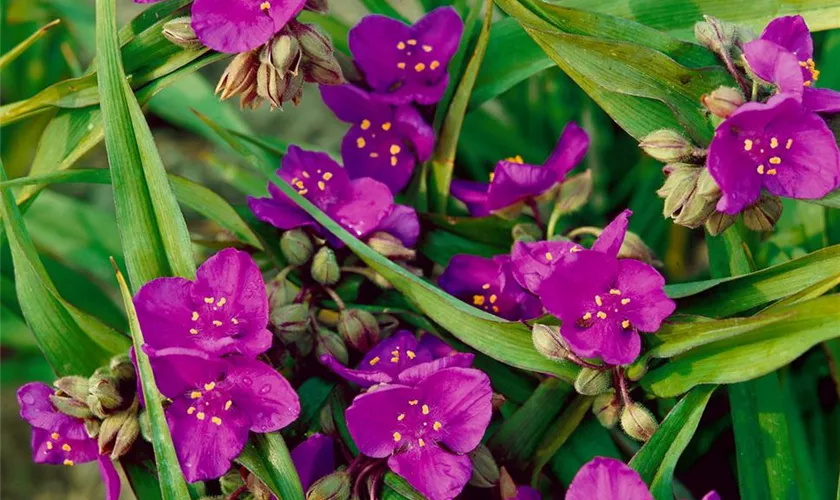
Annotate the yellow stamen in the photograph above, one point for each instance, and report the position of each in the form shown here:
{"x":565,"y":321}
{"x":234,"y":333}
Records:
{"x":217,"y":322}
{"x":478,"y":300}
{"x":411,"y":42}
{"x":587,"y":316}
{"x":228,"y":405}
{"x":360,"y":142}
{"x":425,"y":409}
{"x":234,"y":321}
{"x":434,"y":65}
{"x":265,"y":6}
{"x":395,"y":149}
{"x":209,"y":300}
{"x":195,"y":395}
{"x":374,"y":155}
{"x":414,"y":402}
{"x":775,"y":160}
{"x":789,"y":143}
{"x":760,"y":169}
{"x":66,"y":447}
{"x":410,"y":354}
{"x":210,"y":386}
{"x":365,"y":124}
{"x":386,"y":126}
{"x":598,"y":300}
{"x":216,"y":420}
{"x":772,"y":171}
{"x":193,"y":331}
{"x":321,"y":185}
{"x":548,"y":256}
{"x":493,"y":298}
{"x":69,"y":463}
{"x":419,"y":67}
{"x":624,"y":302}
{"x":401,"y":65}
{"x":437,"y":426}
{"x":327,"y":176}
{"x":401,"y":416}
{"x":485,"y":286}
{"x":54,"y":435}
{"x":401,"y":45}
{"x":601,"y":314}
{"x":306,"y":175}
{"x":395,"y":359}
{"x":200,"y":415}
{"x":625,"y":323}
{"x":190,"y":410}
{"x":49,"y":445}
{"x":397,"y":437}
{"x":422,"y":443}
{"x":615,"y":291}
{"x":394,"y":161}
{"x":774,"y":143}
{"x":427,"y":48}
{"x":195,"y":316}
{"x":748,"y":145}
{"x":374,"y":361}
{"x":221,"y":302}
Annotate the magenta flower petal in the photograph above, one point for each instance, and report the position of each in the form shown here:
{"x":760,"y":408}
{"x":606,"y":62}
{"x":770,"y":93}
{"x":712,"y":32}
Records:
{"x":645,"y":287}
{"x":611,"y":239}
{"x":532,"y":263}
{"x":570,"y":150}
{"x":607,"y":479}
{"x":772,"y":63}
{"x":526,"y":493}
{"x":418,"y":373}
{"x":241,"y":25}
{"x":515,"y":182}
{"x":793,"y":34}
{"x":280,"y":211}
{"x":54,"y":448}
{"x":435,"y":473}
{"x":263,"y":394}
{"x":473,"y":194}
{"x":411,"y":125}
{"x":39,"y":412}
{"x":110,"y":477}
{"x":402,"y":223}
{"x":314,"y":459}
{"x":367,"y":203}
{"x":712,"y":495}
{"x":316,"y":176}
{"x":461,"y":400}
{"x":373,"y":419}
{"x":821,"y":100}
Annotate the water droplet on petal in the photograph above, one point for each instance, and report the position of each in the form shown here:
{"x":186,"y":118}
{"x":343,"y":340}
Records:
{"x":265,"y":389}
{"x":28,"y":399}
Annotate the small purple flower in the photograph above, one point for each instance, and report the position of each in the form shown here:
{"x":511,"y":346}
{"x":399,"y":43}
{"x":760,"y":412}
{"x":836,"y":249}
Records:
{"x":385,"y":141}
{"x":224,"y":311}
{"x":215,"y":403}
{"x":607,"y":479}
{"x":514,"y":182}
{"x":425,"y":430}
{"x":407,"y":63}
{"x":401,"y":223}
{"x":61,"y":439}
{"x":235,"y":26}
{"x":314,"y":459}
{"x":779,"y":146}
{"x":604,"y":302}
{"x":489,"y":284}
{"x":401,"y":359}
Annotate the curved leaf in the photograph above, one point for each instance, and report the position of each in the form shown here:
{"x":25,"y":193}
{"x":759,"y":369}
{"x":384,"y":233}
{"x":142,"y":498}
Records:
{"x":267,"y":456}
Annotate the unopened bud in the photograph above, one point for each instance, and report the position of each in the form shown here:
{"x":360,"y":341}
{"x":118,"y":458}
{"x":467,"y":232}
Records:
{"x":548,"y":342}
{"x":73,"y":386}
{"x":319,"y":6}
{"x":667,"y":146}
{"x":257,"y":488}
{"x":122,"y":368}
{"x":231,"y":481}
{"x":280,"y":291}
{"x":763,"y":215}
{"x":323,"y":72}
{"x":707,"y":187}
{"x":590,"y":382}
{"x":329,"y":342}
{"x":105,"y":390}
{"x":315,"y":44}
{"x":240,"y":76}
{"x":607,"y":408}
{"x":110,"y":428}
{"x":680,"y":183}
{"x":290,"y":321}
{"x":638,"y":422}
{"x":359,"y":328}
{"x":714,"y":34}
{"x":126,"y":437}
{"x":574,"y":193}
{"x":634,"y":248}
{"x":507,"y":486}
{"x":390,"y":246}
{"x":485,"y":471}
{"x":92,"y":426}
{"x":718,"y":222}
{"x":497,"y":401}
{"x":282,"y":53}
{"x":723,"y":101}
{"x":527,"y":232}
{"x":296,"y":246}
{"x":325,"y":268}
{"x":327,"y":420}
{"x":335,"y":486}
{"x":180,"y":32}
{"x":70,"y":406}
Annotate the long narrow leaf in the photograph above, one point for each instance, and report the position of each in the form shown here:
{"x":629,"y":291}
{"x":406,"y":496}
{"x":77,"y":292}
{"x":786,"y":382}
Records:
{"x":267,"y":456}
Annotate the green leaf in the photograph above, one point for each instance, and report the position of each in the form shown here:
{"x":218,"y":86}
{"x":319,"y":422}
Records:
{"x":172,"y":484}
{"x":558,"y":433}
{"x":20,"y":48}
{"x":401,"y":487}
{"x":267,"y":457}
{"x":384,"y":8}
{"x":657,"y":459}
{"x":152,"y":229}
{"x":73,"y":342}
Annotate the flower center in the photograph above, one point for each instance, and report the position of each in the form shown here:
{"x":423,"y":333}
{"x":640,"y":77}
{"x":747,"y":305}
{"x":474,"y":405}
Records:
{"x":486,"y":300}
{"x":307,"y":180}
{"x":811,"y":66}
{"x":265,"y":6}
{"x":362,"y":142}
{"x":417,"y":420}
{"x":209,"y":403}
{"x":419,"y":59}
{"x":212,"y":317}
{"x":767,"y":154}
{"x":55,"y":443}
{"x":515,"y":159}
{"x":606,"y":306}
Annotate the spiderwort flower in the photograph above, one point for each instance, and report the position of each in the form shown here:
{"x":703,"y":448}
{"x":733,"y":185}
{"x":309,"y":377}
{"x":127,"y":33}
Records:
{"x":61,"y":439}
{"x":385,"y":141}
{"x":314,"y":459}
{"x":407,"y":63}
{"x":224,"y":311}
{"x":489,"y":284}
{"x":514,"y":182}
{"x":215,"y":403}
{"x":604,"y":302}
{"x":425,"y":430}
{"x":779,"y":146}
{"x":401,"y":359}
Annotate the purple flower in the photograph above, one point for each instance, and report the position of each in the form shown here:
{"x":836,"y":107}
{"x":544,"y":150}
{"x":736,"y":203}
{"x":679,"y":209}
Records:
{"x":407,"y":63}
{"x":401,"y":359}
{"x":533,"y":262}
{"x":385,"y":141}
{"x":604,"y":302}
{"x":215,"y":403}
{"x":607,"y":479}
{"x":489,"y":284}
{"x":514,"y":182}
{"x":234,"y":26}
{"x":224,"y":311}
{"x":361,"y":206}
{"x":314,"y":459}
{"x":61,"y":439}
{"x":779,"y":146}
{"x":425,"y":430}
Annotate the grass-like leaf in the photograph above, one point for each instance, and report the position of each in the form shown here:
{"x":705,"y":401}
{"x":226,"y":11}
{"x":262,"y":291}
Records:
{"x":267,"y":457}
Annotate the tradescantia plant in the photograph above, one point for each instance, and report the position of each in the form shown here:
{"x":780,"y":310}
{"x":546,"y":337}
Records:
{"x":472,"y":293}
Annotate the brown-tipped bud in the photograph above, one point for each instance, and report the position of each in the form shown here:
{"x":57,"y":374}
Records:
{"x":329,"y":342}
{"x":316,"y":45}
{"x":390,"y":246}
{"x":607,"y":409}
{"x":359,"y":328}
{"x":507,"y":486}
{"x":685,"y":202}
{"x":110,"y":428}
{"x":387,"y":325}
{"x":723,"y":101}
{"x":92,"y":426}
{"x":282,"y":53}
{"x":574,"y":193}
{"x":527,"y":232}
{"x":323,"y":73}
{"x":497,"y":401}
{"x":180,"y":32}
{"x":706,"y":186}
{"x":638,"y":422}
{"x":764,"y":215}
{"x":637,"y":369}
{"x":327,"y":420}
{"x":290,"y":321}
{"x":548,"y":342}
{"x":280,"y":291}
{"x":70,"y":406}
{"x":296,"y":246}
{"x":667,"y":146}
{"x":335,"y":486}
{"x":718,"y":222}
{"x":126,"y":437}
{"x":73,"y":386}
{"x":634,"y":248}
{"x":590,"y":382}
{"x":485,"y":471}
{"x":319,"y":6}
{"x":714,"y":34}
{"x":270,"y":85}
{"x":325,"y":268}
{"x":122,"y":368}
{"x":257,"y":488}
{"x":240,"y":76}
{"x":105,"y":390}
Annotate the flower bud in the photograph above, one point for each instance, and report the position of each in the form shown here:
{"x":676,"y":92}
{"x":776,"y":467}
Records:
{"x":507,"y":486}
{"x":104,"y":389}
{"x":323,"y":73}
{"x":390,"y":246}
{"x":257,"y":488}
{"x":723,"y":101}
{"x":123,"y":369}
{"x":319,"y":6}
{"x":240,"y":76}
{"x":282,"y":53}
{"x":590,"y":382}
{"x":359,"y":328}
{"x":327,"y":420}
{"x":763,"y":215}
{"x":296,"y":246}
{"x":126,"y":437}
{"x":607,"y":408}
{"x":527,"y":232}
{"x":70,"y":406}
{"x":335,"y":486}
{"x":280,"y":291}
{"x":667,"y":146}
{"x":548,"y":342}
{"x":634,"y":248}
{"x":714,"y":34}
{"x":74,"y":386}
{"x":387,"y":325}
{"x":325,"y":268}
{"x":92,"y":426}
{"x":497,"y":401}
{"x":329,"y":342}
{"x":315,"y":45}
{"x":638,"y":422}
{"x":231,"y":481}
{"x":180,"y":32}
{"x":718,"y":222}
{"x":290,"y":321}
{"x":574,"y":193}
{"x":485,"y":471}
{"x":680,"y":184}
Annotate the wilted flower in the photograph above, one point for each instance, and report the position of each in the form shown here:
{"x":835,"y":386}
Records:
{"x":779,"y":146}
{"x":407,"y":63}
{"x":224,"y":311}
{"x":401,"y":359}
{"x":514,"y":182}
{"x":425,"y":429}
{"x":61,"y":439}
{"x":385,"y":141}
{"x":314,"y":459}
{"x":489,"y":284}
{"x":215,"y":403}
